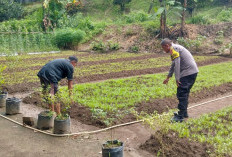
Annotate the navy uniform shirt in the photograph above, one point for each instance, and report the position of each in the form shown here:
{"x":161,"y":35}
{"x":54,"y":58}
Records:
{"x":56,"y":70}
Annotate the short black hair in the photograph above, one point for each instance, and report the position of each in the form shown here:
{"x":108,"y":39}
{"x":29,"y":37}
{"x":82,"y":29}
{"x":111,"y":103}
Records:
{"x":73,"y":58}
{"x":166,"y":41}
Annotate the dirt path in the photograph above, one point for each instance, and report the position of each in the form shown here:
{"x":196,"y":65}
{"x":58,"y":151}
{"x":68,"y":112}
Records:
{"x":18,"y":141}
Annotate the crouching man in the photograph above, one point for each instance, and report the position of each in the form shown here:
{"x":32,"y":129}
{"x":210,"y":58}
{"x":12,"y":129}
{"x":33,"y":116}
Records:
{"x":52,"y":73}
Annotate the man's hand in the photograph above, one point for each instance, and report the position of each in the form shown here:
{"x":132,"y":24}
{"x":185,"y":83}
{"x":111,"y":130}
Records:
{"x":166,"y":81}
{"x":178,"y":83}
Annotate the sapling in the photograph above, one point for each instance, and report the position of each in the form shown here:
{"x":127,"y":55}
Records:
{"x":2,"y":80}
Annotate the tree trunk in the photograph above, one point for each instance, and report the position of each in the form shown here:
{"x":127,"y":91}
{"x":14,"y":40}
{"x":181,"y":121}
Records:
{"x":122,"y":7}
{"x":163,"y":25}
{"x":183,"y":18}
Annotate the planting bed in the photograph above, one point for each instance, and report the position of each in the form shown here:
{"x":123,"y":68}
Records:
{"x":21,"y":70}
{"x":115,"y":101}
{"x":112,"y":101}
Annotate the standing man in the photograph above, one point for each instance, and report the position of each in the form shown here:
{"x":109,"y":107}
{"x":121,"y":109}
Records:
{"x":52,"y":73}
{"x":185,"y":69}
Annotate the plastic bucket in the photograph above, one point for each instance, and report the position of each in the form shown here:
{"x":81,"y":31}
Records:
{"x":62,"y":126}
{"x":112,"y":152}
{"x":45,"y":120}
{"x":3,"y":97}
{"x":12,"y":106}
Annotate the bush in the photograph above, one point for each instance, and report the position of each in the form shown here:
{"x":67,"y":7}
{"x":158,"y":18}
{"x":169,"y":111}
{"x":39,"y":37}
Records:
{"x":104,"y":47}
{"x":136,"y":17}
{"x":219,"y":38}
{"x":73,"y":8}
{"x":199,"y":19}
{"x":10,"y":9}
{"x":192,"y":44}
{"x":67,"y":38}
{"x":224,"y":15}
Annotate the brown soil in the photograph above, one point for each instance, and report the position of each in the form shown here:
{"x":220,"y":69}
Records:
{"x":89,"y":63}
{"x":98,"y":77}
{"x":162,"y":105}
{"x":84,"y":114}
{"x":170,"y":145}
{"x":147,"y":41}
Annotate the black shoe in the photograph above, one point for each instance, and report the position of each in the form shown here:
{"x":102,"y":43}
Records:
{"x":186,"y":115}
{"x":177,"y":118}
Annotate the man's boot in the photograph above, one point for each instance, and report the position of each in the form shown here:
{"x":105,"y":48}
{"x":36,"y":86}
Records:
{"x":177,"y":118}
{"x":185,"y":114}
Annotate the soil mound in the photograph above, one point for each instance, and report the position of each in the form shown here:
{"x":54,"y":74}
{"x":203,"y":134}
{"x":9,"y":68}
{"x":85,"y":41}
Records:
{"x":170,"y":145}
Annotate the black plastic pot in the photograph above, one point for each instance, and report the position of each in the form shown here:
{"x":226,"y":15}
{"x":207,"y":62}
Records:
{"x":112,"y":152}
{"x":45,"y":120}
{"x":12,"y":106}
{"x":62,"y":126}
{"x":3,"y":96}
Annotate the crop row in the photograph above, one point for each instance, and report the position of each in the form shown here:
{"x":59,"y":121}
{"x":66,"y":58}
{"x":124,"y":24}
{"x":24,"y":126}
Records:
{"x":123,"y":93}
{"x":215,"y":129}
{"x":28,"y":74}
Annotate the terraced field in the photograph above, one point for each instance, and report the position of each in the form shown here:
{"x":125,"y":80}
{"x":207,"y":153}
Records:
{"x":21,"y":70}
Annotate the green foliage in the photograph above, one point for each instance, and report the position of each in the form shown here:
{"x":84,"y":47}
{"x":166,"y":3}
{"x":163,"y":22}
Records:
{"x":214,"y":129}
{"x":2,"y":80}
{"x":225,"y":15}
{"x":134,"y":48}
{"x":125,"y":93}
{"x":192,"y":44}
{"x":73,"y":8}
{"x":23,"y":42}
{"x":138,"y":16}
{"x":199,"y":19}
{"x":121,"y":3}
{"x":10,"y":9}
{"x":100,"y":46}
{"x":219,"y":38}
{"x":67,"y":38}
{"x":53,"y":13}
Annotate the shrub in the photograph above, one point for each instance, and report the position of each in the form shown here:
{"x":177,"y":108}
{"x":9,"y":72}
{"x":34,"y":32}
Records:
{"x":219,"y":38}
{"x":224,"y":15}
{"x":136,"y":17}
{"x":10,"y":9}
{"x":199,"y":19}
{"x":134,"y":48}
{"x":104,"y":47}
{"x":67,"y":38}
{"x":113,"y":46}
{"x":2,"y":80}
{"x":73,"y":8}
{"x":98,"y":46}
{"x":192,"y":44}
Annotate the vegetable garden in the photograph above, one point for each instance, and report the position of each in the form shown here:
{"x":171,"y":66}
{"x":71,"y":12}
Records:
{"x":114,"y":82}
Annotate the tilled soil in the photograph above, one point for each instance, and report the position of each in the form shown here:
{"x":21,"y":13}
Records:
{"x":84,"y":114}
{"x":170,"y":145}
{"x":23,"y":87}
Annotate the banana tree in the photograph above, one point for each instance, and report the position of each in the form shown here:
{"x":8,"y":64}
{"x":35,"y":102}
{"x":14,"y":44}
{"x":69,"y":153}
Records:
{"x":165,"y":7}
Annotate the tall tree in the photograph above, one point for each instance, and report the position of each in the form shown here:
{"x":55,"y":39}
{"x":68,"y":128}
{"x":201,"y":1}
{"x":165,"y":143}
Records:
{"x":183,"y":18}
{"x":165,"y":7}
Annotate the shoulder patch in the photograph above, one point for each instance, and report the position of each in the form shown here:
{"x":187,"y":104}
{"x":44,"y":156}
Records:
{"x":175,"y":54}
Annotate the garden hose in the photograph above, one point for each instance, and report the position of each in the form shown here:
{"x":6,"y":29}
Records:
{"x":100,"y":130}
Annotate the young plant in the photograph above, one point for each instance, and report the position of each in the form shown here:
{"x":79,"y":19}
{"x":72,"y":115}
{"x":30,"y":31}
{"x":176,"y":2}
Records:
{"x":2,"y":79}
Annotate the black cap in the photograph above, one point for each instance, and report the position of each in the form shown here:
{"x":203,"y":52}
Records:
{"x":73,"y":58}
